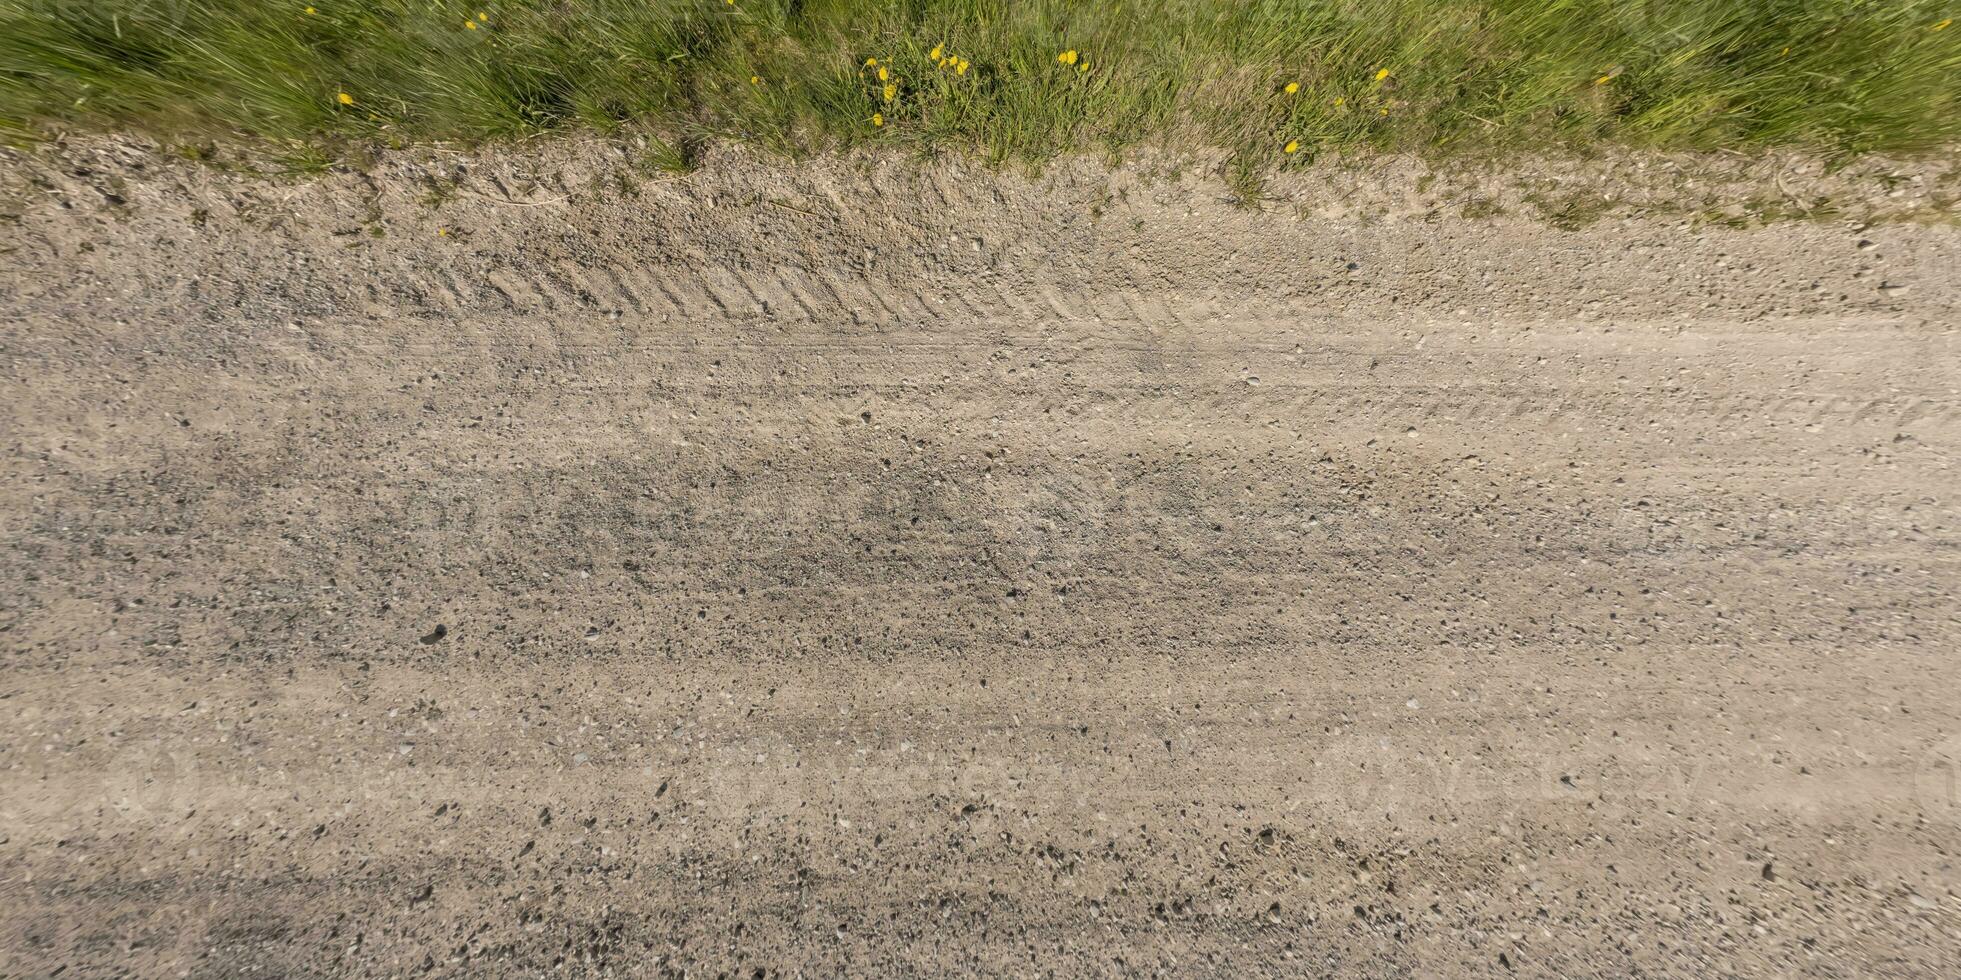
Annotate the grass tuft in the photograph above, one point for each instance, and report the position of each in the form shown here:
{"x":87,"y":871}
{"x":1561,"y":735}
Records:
{"x":1004,"y":79}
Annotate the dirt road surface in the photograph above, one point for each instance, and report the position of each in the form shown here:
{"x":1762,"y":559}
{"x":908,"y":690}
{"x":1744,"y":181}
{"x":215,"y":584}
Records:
{"x":882,"y":570}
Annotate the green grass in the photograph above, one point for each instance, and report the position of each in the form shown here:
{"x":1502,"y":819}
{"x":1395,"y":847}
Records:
{"x":1831,"y":76}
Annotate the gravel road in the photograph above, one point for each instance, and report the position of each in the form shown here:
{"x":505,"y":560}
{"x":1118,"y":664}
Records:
{"x":893,"y":570}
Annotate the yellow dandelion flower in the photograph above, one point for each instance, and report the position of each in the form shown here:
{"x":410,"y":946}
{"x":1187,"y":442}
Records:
{"x":1293,"y":146}
{"x":469,"y":25}
{"x":890,"y":91}
{"x":961,"y":68}
{"x":310,"y":11}
{"x":1382,"y":111}
{"x":1067,"y":57}
{"x":935,"y":53}
{"x":1943,"y":24}
{"x":878,"y":119}
{"x":755,"y":79}
{"x":345,"y":99}
{"x":871,"y":62}
{"x":1292,"y":87}
{"x":1380,"y":75}
{"x":883,"y":75}
{"x":483,"y":16}
{"x":442,"y":233}
{"x":1339,"y":102}
{"x":1084,"y":66}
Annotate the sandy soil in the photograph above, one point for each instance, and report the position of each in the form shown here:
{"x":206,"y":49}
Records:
{"x":889,"y":569}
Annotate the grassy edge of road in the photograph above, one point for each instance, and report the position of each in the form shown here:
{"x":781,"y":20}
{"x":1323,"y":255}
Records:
{"x":1273,"y":83}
